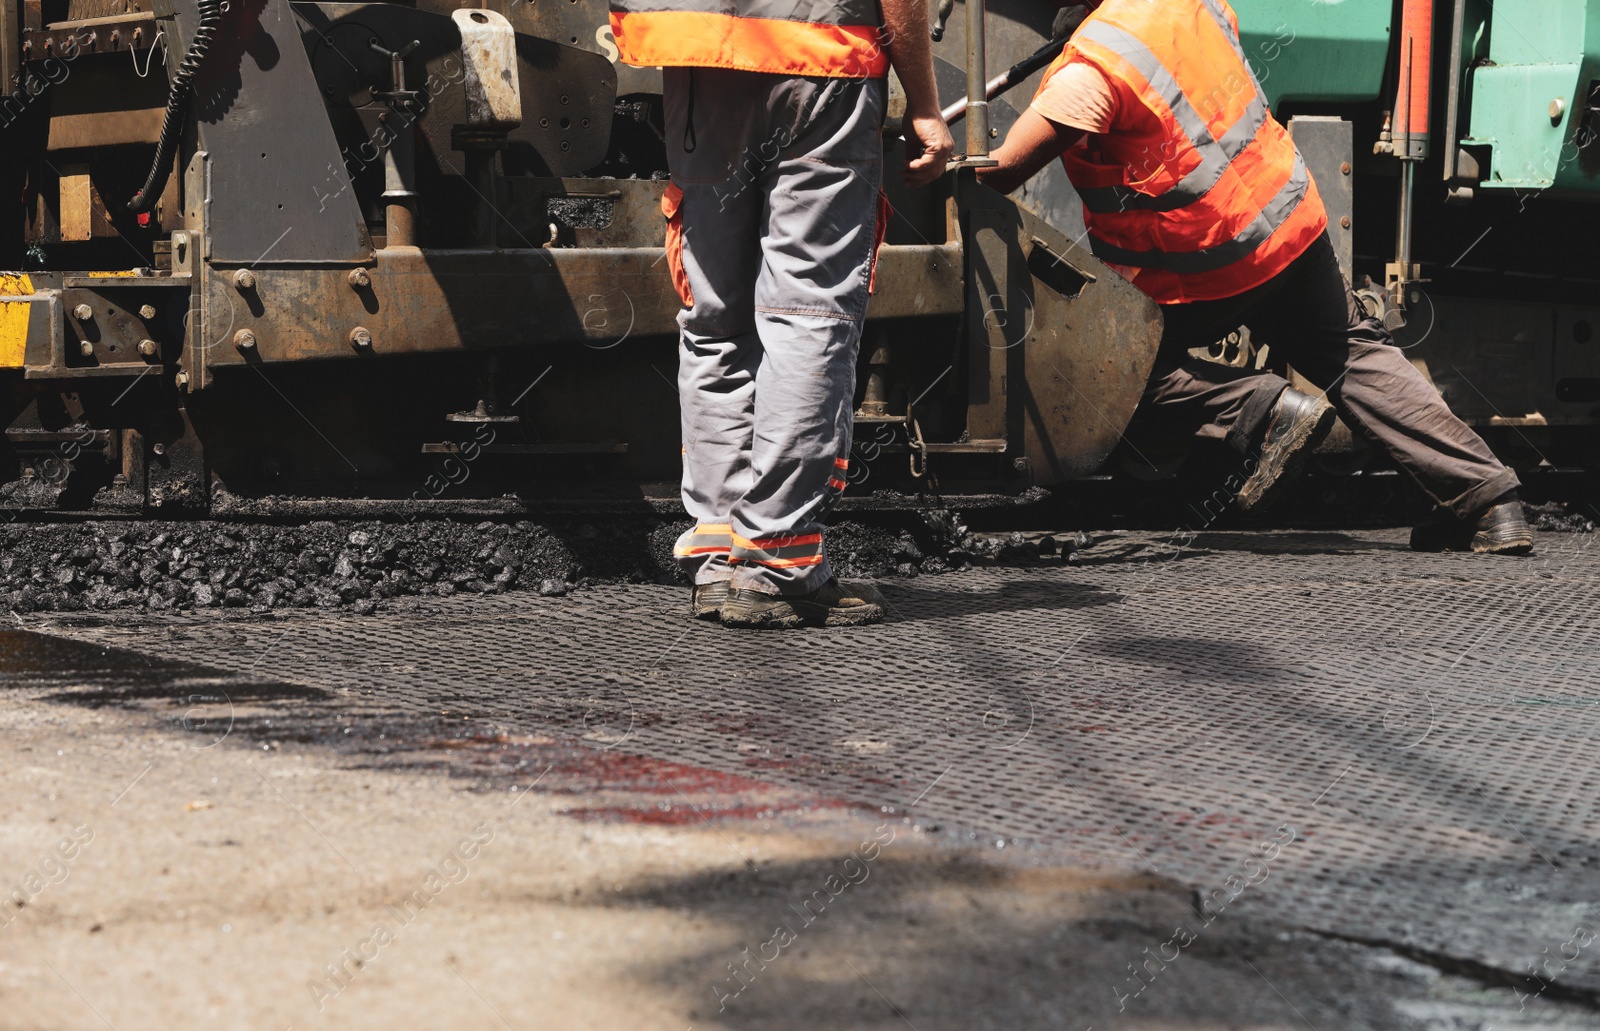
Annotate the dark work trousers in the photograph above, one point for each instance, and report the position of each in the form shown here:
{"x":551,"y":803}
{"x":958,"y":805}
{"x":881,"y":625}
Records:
{"x":1311,"y":319}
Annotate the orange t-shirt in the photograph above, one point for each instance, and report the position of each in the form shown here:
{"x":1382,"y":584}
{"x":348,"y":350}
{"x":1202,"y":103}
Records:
{"x":1080,"y":97}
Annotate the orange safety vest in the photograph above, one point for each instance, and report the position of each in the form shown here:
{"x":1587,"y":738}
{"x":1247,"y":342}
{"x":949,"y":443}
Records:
{"x":1197,"y":193}
{"x":785,"y":37}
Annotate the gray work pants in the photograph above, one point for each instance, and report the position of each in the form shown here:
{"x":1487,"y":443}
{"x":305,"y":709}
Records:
{"x":777,"y":229}
{"x":1310,"y":318}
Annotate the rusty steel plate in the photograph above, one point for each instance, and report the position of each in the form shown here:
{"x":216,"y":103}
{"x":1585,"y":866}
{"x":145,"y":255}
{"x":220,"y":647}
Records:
{"x":1370,"y":743}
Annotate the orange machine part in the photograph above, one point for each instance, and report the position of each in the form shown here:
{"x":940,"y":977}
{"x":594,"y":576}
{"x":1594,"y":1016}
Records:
{"x":1416,"y":78}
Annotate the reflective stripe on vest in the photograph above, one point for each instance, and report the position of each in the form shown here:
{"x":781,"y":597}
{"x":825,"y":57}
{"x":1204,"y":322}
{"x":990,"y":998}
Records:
{"x":1196,"y":191}
{"x":1216,"y":155}
{"x":831,"y":38}
{"x":823,"y":12}
{"x":1211,"y":259}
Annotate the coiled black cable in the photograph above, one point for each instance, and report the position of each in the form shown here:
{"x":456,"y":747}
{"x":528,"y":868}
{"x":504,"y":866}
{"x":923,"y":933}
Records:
{"x":178,"y":97}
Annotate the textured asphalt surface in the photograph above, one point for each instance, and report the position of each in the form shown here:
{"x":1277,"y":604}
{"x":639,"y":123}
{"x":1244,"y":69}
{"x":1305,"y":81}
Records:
{"x":1249,"y":779}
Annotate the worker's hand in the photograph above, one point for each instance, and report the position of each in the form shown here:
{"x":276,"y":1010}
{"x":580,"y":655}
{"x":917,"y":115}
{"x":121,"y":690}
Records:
{"x":1067,"y":21}
{"x":928,"y":147}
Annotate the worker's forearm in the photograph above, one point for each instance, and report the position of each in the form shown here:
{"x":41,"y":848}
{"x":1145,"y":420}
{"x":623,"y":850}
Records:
{"x":910,"y":50}
{"x":1010,"y":171}
{"x":1033,"y":142}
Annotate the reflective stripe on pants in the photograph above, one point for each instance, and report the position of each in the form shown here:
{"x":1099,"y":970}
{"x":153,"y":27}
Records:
{"x":778,"y":218}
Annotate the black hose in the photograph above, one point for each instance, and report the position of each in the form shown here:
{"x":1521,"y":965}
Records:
{"x":178,"y":96}
{"x":1036,"y":60}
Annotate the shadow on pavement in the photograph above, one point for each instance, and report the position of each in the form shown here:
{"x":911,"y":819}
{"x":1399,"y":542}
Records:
{"x":939,"y":941}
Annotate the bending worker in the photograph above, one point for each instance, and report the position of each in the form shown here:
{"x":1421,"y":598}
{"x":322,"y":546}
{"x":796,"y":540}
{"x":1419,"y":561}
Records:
{"x":774,"y":118}
{"x":1195,"y":193}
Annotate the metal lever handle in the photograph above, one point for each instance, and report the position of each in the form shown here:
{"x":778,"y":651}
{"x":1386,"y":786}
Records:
{"x":1009,"y":78}
{"x":397,"y":68}
{"x":391,"y":54}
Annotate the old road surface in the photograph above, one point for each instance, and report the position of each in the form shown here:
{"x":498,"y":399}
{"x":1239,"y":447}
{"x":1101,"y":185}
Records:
{"x":1273,"y":780}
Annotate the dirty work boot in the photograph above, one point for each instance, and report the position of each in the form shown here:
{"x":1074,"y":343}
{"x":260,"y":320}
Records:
{"x":706,"y":600}
{"x":1500,"y":529}
{"x":832,"y":604}
{"x":1298,"y":424}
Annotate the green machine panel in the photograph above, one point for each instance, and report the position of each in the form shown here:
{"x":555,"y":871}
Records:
{"x":1534,"y":62}
{"x":1325,"y":51}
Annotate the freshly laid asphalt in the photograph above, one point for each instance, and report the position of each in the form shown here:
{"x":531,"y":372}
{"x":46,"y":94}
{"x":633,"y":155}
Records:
{"x":1251,"y":779}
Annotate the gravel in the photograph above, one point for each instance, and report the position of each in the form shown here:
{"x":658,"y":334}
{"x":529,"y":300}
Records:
{"x":176,"y":565}
{"x":1555,"y":517}
{"x":359,"y":566}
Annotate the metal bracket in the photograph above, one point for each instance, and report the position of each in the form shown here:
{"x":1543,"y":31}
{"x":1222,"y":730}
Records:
{"x":46,"y":338}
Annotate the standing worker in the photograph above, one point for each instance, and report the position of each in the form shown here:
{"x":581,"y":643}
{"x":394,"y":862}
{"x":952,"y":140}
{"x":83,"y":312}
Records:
{"x":774,"y":118}
{"x":1195,"y":193}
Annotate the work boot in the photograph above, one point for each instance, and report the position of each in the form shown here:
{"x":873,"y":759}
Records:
{"x":1500,"y":529}
{"x":706,"y":600}
{"x":1298,"y":424}
{"x":832,"y":604}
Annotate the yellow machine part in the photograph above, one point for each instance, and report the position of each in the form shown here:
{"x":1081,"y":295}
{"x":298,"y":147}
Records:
{"x":14,"y":319}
